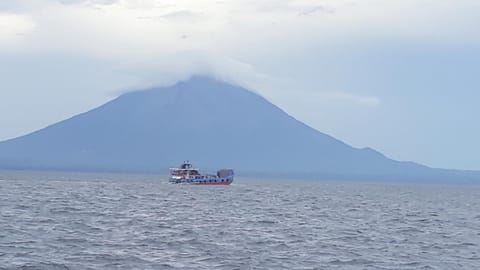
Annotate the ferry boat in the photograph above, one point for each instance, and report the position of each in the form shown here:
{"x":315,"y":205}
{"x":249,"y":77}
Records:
{"x":186,"y":174}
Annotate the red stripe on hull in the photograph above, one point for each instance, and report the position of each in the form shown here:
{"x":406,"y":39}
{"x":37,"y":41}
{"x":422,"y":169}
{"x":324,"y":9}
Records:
{"x":215,"y":183}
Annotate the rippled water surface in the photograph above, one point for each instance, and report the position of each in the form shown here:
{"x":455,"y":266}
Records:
{"x":86,"y":221}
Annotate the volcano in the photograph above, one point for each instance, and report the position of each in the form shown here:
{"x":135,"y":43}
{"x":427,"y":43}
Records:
{"x":211,"y":123}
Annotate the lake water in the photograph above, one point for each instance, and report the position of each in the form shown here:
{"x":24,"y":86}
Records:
{"x":88,"y":221}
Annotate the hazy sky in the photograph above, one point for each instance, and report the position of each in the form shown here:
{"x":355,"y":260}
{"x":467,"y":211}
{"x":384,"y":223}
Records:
{"x":400,"y":76}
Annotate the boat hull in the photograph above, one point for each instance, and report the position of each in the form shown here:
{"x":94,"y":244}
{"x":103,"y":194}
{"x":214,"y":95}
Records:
{"x":204,"y":181}
{"x":226,"y":183}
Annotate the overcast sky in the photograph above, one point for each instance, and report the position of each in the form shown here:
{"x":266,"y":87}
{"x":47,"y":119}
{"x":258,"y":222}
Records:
{"x":400,"y":76}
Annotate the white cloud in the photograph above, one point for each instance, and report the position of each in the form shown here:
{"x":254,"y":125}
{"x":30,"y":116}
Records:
{"x":165,"y":69}
{"x":140,"y":28}
{"x":91,"y":2}
{"x":182,"y":16}
{"x":13,"y":28}
{"x":150,"y":36}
